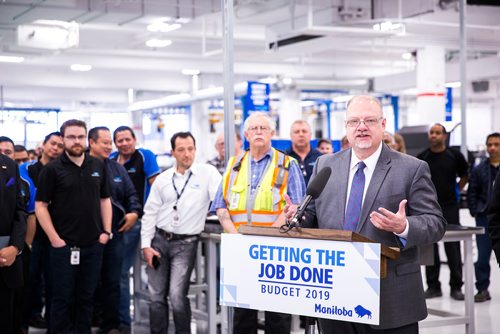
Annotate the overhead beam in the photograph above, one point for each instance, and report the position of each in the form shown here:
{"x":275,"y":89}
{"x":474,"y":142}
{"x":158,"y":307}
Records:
{"x":477,"y":69}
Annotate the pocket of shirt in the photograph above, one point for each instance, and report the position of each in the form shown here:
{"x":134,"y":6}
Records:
{"x":236,"y":197}
{"x":266,"y":200}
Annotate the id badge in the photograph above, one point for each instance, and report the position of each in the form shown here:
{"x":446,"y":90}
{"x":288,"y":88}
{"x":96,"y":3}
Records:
{"x":75,"y":256}
{"x":176,"y":221}
{"x":235,"y":198}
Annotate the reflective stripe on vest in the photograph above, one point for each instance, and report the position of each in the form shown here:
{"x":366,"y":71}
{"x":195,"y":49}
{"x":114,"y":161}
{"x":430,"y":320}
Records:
{"x":269,"y":200}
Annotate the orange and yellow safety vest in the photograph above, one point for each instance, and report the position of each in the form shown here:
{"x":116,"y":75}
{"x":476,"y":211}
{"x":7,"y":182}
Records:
{"x":263,"y":207}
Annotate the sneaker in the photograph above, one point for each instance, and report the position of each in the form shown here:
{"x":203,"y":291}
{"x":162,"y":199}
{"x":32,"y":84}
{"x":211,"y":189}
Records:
{"x":432,"y":293}
{"x":482,"y":296}
{"x":457,"y":294}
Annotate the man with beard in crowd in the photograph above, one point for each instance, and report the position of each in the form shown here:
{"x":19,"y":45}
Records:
{"x":73,"y":207}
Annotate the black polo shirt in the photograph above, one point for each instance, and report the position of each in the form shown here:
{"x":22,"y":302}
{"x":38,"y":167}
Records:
{"x":306,"y":166}
{"x":140,"y":167}
{"x":74,"y":195}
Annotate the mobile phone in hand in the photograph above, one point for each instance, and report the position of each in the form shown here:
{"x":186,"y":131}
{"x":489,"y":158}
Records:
{"x":156,"y":262}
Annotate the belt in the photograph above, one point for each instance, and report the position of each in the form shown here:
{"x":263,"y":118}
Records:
{"x":174,"y":236}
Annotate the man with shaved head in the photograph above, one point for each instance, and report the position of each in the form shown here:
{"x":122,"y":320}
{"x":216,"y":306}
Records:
{"x":446,"y":166}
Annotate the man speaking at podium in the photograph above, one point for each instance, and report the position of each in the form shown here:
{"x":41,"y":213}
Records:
{"x":387,"y":197}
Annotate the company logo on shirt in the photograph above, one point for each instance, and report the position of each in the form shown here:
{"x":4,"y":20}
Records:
{"x":131,"y":170}
{"x":117,"y":179}
{"x":95,"y":174}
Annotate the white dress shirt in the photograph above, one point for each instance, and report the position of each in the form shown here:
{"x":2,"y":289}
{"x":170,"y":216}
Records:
{"x":192,"y":206}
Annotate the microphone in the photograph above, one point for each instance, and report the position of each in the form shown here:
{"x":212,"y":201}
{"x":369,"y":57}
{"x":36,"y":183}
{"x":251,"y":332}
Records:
{"x":314,"y":189}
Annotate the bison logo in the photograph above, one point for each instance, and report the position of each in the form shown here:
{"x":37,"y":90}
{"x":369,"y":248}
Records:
{"x":361,"y":312}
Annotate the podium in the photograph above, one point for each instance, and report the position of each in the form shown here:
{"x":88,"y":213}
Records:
{"x":319,"y":234}
{"x":329,"y":274}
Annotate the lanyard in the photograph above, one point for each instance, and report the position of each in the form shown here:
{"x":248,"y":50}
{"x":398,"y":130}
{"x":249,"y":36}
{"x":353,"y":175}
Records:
{"x":183,"y":188}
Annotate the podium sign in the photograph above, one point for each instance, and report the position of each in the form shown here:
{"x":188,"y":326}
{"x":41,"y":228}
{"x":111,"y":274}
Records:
{"x":317,"y":278}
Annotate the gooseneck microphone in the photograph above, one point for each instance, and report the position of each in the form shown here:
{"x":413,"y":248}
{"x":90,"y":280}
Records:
{"x":313,"y":191}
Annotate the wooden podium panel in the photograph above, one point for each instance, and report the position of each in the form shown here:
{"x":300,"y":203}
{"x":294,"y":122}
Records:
{"x":321,"y":234}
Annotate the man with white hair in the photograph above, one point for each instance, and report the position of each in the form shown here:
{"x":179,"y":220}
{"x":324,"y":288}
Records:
{"x":253,"y":179}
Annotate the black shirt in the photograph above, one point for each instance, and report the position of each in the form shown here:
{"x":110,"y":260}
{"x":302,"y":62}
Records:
{"x":12,"y":214}
{"x":140,"y":167}
{"x":445,"y":167}
{"x":34,"y":172}
{"x":493,"y":174}
{"x":74,"y":195}
{"x":306,"y":166}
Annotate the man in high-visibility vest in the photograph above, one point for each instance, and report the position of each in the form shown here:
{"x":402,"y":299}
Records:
{"x":252,"y":193}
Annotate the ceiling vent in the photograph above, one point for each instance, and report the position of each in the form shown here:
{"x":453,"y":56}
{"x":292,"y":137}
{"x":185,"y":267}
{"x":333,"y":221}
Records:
{"x":292,"y":40}
{"x":480,"y":86}
{"x":48,"y":34}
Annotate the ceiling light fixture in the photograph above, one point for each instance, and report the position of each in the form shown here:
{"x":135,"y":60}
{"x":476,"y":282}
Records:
{"x":388,"y":26}
{"x":48,"y":34}
{"x":158,"y":43}
{"x":81,"y":67}
{"x":190,"y":71}
{"x":167,"y":24}
{"x":407,"y":56}
{"x":163,"y":27}
{"x":11,"y":59}
{"x":182,"y":20}
{"x":455,"y":84}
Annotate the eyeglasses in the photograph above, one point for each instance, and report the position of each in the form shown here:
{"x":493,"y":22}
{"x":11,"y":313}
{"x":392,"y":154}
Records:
{"x":258,"y":127}
{"x":74,"y":138}
{"x":369,"y":122}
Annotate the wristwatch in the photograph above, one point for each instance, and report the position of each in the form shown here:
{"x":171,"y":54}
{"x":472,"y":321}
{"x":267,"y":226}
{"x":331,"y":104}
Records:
{"x":110,"y":235}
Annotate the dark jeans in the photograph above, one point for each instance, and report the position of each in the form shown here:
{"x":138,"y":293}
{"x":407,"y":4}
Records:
{"x":7,"y":308}
{"x":39,"y":285}
{"x":73,"y":288}
{"x":107,"y":298}
{"x":452,"y":249}
{"x":245,"y":322}
{"x":343,"y":327}
{"x":482,"y":266}
{"x":21,"y":293}
{"x":130,"y":245}
{"x":171,"y":280}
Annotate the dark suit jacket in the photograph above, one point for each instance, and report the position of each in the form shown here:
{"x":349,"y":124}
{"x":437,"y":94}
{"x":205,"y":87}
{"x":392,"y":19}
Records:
{"x":494,"y":219}
{"x":396,"y":177}
{"x":12,"y":218}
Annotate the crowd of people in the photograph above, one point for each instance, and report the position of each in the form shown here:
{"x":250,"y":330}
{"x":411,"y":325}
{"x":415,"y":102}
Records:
{"x":74,"y":217}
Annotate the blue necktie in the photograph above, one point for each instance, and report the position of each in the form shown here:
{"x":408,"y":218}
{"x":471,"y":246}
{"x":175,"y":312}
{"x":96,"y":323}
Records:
{"x":355,"y":202}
